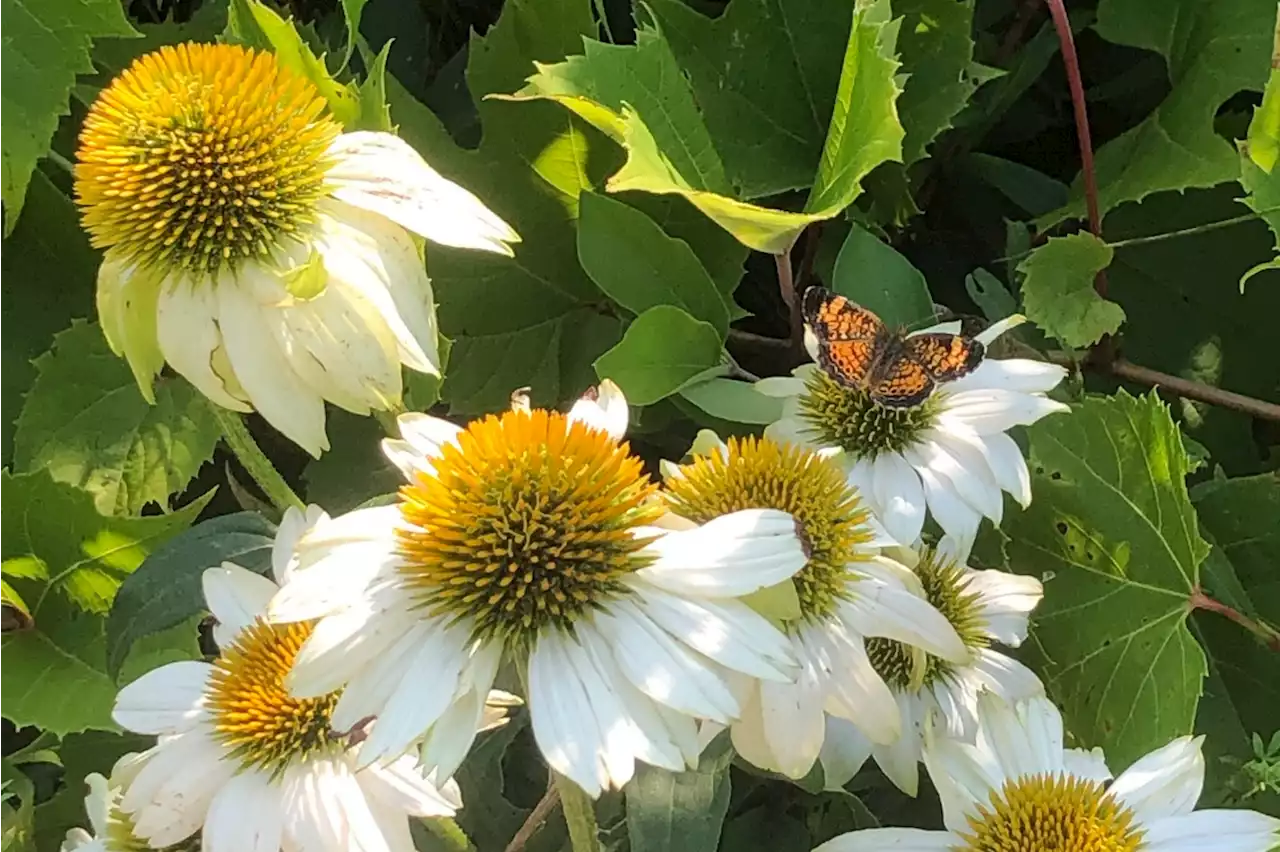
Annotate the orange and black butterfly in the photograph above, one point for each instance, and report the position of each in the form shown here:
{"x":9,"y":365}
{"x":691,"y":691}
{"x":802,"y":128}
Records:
{"x":857,"y":350}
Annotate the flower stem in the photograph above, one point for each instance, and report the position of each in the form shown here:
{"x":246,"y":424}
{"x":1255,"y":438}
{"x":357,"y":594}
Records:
{"x":450,"y":833}
{"x":255,"y":461}
{"x":579,"y":815}
{"x":1268,"y":635}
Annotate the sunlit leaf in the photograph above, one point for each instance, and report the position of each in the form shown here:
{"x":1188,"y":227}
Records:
{"x":662,"y":350}
{"x":1058,"y":290}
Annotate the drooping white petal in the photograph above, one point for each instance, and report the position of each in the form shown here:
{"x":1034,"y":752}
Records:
{"x":956,"y":517}
{"x":794,"y":721}
{"x":845,"y":750}
{"x":894,"y":491}
{"x":1005,"y":676}
{"x":779,"y":387}
{"x":167,"y":700}
{"x":992,"y":410}
{"x":405,"y":788}
{"x":127,"y":296}
{"x":882,"y":609}
{"x":854,"y":689}
{"x":1023,"y":738}
{"x":293,"y":526}
{"x":730,"y":556}
{"x":1012,"y":374}
{"x":1164,"y":783}
{"x":384,"y":174}
{"x":272,"y":386}
{"x":959,"y":465}
{"x":963,"y":775}
{"x":607,"y":412}
{"x":567,"y":728}
{"x":333,"y":584}
{"x":425,"y":433}
{"x":236,"y":597}
{"x":1089,"y":764}
{"x":350,"y":645}
{"x":171,"y":793}
{"x":188,"y":333}
{"x":900,"y":759}
{"x":1008,"y":466}
{"x":245,"y":815}
{"x":325,"y":809}
{"x":1005,"y":601}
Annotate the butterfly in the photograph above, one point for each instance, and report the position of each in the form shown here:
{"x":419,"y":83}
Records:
{"x":859,"y":351}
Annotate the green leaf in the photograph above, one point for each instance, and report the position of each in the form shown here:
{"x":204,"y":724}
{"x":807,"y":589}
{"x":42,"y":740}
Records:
{"x":735,"y":401}
{"x":990,"y":295}
{"x":48,"y":245}
{"x":535,"y":320}
{"x":638,"y":95}
{"x":1186,"y":315}
{"x":1058,"y":293}
{"x":720,"y":254}
{"x":354,"y":469}
{"x":374,"y":112}
{"x":936,"y":48}
{"x":93,"y":751}
{"x":1214,"y":51}
{"x":661,"y":350}
{"x":875,"y":276}
{"x":1241,"y":515}
{"x":1264,"y":128}
{"x":764,"y":75}
{"x":252,"y":24}
{"x":680,"y":811}
{"x":112,"y":56}
{"x":351,"y":12}
{"x":1113,"y":533}
{"x":638,"y":266}
{"x":47,"y":44}
{"x":1263,"y":198}
{"x":166,"y":589}
{"x":86,"y":423}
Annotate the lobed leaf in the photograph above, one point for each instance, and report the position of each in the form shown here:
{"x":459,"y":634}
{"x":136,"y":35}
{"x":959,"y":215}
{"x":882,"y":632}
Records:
{"x":1058,"y":290}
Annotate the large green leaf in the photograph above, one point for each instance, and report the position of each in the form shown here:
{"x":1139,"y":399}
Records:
{"x":46,"y":44}
{"x":680,"y":811}
{"x":166,"y":589}
{"x":68,"y":561}
{"x":48,"y":270}
{"x":1058,"y":291}
{"x":86,"y":423}
{"x":661,"y":351}
{"x":640,"y":97}
{"x":1242,"y":515}
{"x":1187,"y":316}
{"x":874,"y":275}
{"x":639,"y":266}
{"x":1213,"y":51}
{"x":536,"y":319}
{"x":354,"y":469}
{"x":937,"y":49}
{"x":1114,"y":534}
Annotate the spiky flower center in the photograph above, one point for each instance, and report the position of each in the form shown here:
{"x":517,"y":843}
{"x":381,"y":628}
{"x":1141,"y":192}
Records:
{"x":199,"y":156}
{"x":944,"y":587}
{"x":758,"y":473}
{"x":1051,"y":813}
{"x":847,"y":418}
{"x":526,"y":523}
{"x":254,"y":715}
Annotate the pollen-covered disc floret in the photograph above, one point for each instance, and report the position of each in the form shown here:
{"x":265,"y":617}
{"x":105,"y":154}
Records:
{"x":253,"y":714}
{"x":757,"y":473}
{"x":199,"y":156}
{"x":525,"y":522}
{"x":848,"y":418}
{"x":944,"y":589}
{"x":1048,"y":813}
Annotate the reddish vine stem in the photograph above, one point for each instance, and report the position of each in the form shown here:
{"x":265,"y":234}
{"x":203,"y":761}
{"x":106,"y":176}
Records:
{"x":1269,"y":635}
{"x":1104,"y":349}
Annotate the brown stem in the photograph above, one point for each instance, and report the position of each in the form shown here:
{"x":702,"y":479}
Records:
{"x":1188,"y":389}
{"x":1269,"y":635}
{"x":750,"y":340}
{"x":537,"y":817}
{"x":787,"y":287}
{"x":1104,"y":349}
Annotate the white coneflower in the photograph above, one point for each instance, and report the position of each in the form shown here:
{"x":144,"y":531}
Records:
{"x":261,"y":252}
{"x":846,"y":592}
{"x":1016,"y":789}
{"x":251,"y":767}
{"x":949,"y":456}
{"x":984,"y":607}
{"x":527,"y":537}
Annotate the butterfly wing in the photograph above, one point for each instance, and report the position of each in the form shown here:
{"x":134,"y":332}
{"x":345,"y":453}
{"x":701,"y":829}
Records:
{"x":945,"y":356}
{"x":849,"y":336}
{"x":899,"y":380}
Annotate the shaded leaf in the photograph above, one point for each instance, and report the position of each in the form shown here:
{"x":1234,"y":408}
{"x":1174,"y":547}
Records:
{"x":1058,"y":290}
{"x":680,"y":811}
{"x":1241,"y":514}
{"x":1113,"y":533}
{"x":86,"y":423}
{"x":871,"y":273}
{"x":354,"y":469}
{"x":660,"y":351}
{"x":637,"y":265}
{"x":738,"y":402}
{"x":937,"y":49}
{"x":166,"y":590}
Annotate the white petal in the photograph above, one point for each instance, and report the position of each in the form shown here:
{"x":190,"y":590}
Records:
{"x":565,"y":725}
{"x":1008,"y":466}
{"x":844,"y":752}
{"x":449,"y":740}
{"x":1164,"y":783}
{"x":1005,"y":676}
{"x":326,"y":809}
{"x":405,"y":787}
{"x":1090,"y":765}
{"x":854,"y":689}
{"x":892,"y":840}
{"x":779,"y":387}
{"x":167,"y":700}
{"x":236,"y":597}
{"x":1219,"y":830}
{"x":727,"y":631}
{"x":344,"y":646}
{"x":730,"y":556}
{"x":1013,"y":374}
{"x":607,"y":411}
{"x":882,"y":609}
{"x":375,"y":524}
{"x":1023,"y":738}
{"x":893,"y":488}
{"x":170,"y":796}
{"x":382,"y":173}
{"x":188,"y":334}
{"x":427,"y":434}
{"x":333,"y":585}
{"x":992,"y":410}
{"x":794,"y":722}
{"x":963,"y":775}
{"x":956,"y":517}
{"x":962,"y":467}
{"x":1005,"y":601}
{"x":245,"y":815}
{"x":272,"y":386}
{"x":899,"y":760}
{"x":127,"y":298}
{"x":293,"y":526}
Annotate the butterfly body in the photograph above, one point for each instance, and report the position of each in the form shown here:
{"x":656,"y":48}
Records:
{"x":857,"y":350}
